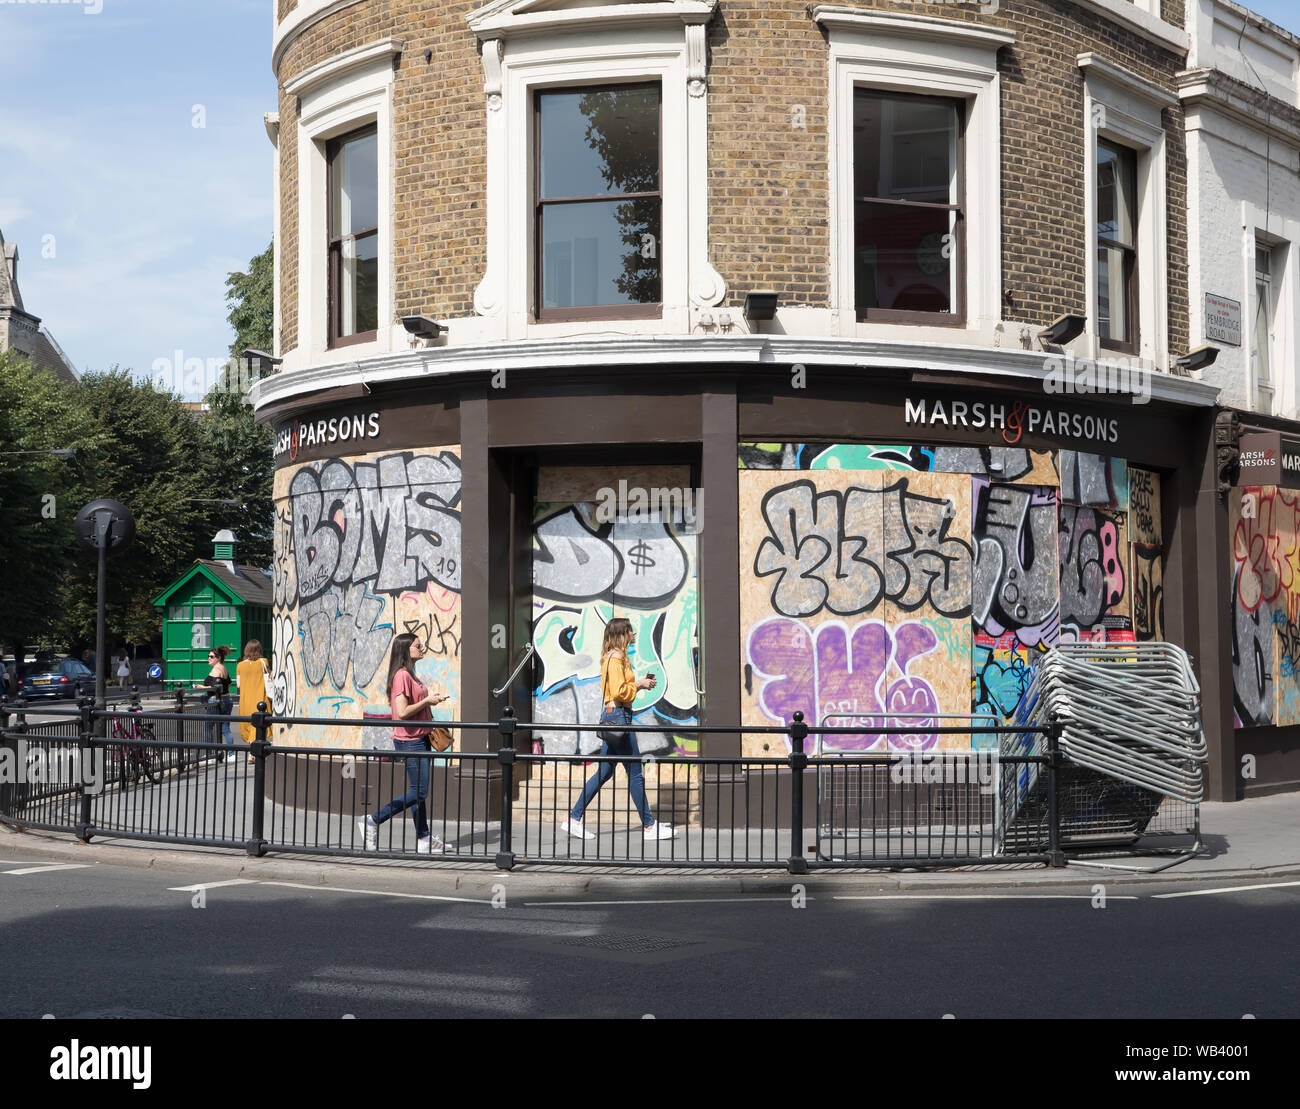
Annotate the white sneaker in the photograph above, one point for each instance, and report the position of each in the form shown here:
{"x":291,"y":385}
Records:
{"x":430,"y":844}
{"x":231,"y":757}
{"x":575,"y":828}
{"x":370,"y":831}
{"x":660,"y":831}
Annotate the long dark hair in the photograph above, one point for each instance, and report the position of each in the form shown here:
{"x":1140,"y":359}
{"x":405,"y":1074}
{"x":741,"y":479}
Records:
{"x":400,"y":659}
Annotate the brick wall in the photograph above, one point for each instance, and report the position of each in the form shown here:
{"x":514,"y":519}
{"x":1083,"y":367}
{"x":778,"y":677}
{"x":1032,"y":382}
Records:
{"x":441,"y":170}
{"x":768,"y":180}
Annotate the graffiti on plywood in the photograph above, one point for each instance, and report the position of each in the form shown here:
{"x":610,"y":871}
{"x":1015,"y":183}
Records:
{"x":1095,"y":603}
{"x":846,"y":552}
{"x":586,"y":570}
{"x":365,"y":547}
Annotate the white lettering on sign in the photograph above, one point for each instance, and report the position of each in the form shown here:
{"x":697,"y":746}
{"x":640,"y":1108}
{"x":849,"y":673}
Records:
{"x":336,"y":429}
{"x":1011,"y":421}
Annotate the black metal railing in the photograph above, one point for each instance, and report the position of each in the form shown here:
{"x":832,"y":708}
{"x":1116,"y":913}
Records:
{"x":130,"y":772}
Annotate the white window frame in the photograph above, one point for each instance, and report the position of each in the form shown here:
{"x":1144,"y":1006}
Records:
{"x":527,"y":50}
{"x":1124,"y":109}
{"x":929,"y":57}
{"x":1283,"y":235}
{"x":340,"y":95}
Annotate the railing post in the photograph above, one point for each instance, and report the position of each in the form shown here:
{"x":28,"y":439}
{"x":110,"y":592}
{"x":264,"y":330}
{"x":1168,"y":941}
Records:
{"x":182,"y":759}
{"x":86,"y":743}
{"x":17,"y":731}
{"x":797,"y":864}
{"x":260,"y":748}
{"x":1056,"y":857}
{"x":506,"y":758}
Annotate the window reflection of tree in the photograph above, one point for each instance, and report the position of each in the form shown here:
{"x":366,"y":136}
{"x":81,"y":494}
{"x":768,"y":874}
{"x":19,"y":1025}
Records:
{"x":623,"y":128}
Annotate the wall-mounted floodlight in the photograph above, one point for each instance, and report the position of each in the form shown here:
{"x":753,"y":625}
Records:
{"x":1197,"y":359}
{"x":262,"y":360}
{"x":422,"y":327}
{"x":1062,"y":330}
{"x":760,"y":305}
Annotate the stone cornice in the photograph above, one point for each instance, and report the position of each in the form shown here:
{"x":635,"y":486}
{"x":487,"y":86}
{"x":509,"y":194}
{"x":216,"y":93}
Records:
{"x":506,"y":18}
{"x":633,"y":353}
{"x":1141,"y":23}
{"x":1248,"y":106}
{"x":333,"y":68}
{"x":873,"y":21}
{"x":1117,"y":75}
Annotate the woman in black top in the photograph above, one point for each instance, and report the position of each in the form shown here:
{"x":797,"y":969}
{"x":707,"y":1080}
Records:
{"x":219,"y":700}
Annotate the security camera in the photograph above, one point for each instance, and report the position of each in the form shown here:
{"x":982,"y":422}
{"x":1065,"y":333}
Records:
{"x":1197,"y":359}
{"x":422,"y":327}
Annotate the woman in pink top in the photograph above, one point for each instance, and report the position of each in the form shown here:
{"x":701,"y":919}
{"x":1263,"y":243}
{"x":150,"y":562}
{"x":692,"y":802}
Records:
{"x":410,"y":702}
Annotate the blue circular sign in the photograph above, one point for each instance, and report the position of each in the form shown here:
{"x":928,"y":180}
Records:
{"x":155,"y":672}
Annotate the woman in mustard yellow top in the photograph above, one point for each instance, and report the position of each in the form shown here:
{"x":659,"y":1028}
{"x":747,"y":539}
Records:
{"x":251,"y":673}
{"x":618,"y":689}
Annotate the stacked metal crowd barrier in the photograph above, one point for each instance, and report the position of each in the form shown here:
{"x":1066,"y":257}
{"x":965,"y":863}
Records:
{"x":1128,"y":724}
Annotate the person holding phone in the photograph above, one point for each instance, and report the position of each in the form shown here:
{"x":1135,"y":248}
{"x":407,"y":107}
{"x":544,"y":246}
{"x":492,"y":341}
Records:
{"x":410,"y":702}
{"x":618,"y":689}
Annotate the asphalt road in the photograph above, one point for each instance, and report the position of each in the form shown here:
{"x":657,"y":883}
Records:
{"x":83,"y":940}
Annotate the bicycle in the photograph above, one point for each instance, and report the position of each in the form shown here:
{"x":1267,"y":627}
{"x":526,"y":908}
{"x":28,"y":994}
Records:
{"x":130,"y":759}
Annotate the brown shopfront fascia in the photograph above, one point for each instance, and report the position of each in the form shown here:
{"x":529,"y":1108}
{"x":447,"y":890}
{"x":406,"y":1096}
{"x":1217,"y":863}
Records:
{"x":700,"y":418}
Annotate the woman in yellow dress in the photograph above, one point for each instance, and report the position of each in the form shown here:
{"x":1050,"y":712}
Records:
{"x":252,"y":673}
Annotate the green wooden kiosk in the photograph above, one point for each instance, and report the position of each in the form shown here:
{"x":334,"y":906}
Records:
{"x":214,"y":603}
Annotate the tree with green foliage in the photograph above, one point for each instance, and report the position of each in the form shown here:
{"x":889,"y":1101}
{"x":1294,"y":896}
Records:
{"x":37,"y":497}
{"x":150,"y":452}
{"x":241,"y":448}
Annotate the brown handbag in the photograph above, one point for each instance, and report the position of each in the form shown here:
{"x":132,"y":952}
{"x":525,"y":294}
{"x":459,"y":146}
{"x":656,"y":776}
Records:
{"x":440,"y":739}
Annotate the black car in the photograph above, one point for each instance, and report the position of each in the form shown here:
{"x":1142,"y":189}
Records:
{"x":67,"y":677}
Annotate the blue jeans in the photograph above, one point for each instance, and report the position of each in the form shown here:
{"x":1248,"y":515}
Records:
{"x":418,"y":774}
{"x":222,"y":707}
{"x":626,"y":752}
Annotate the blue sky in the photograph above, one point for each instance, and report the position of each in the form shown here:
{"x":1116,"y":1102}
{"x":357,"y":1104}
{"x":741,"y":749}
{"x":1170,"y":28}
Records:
{"x":148,"y":213}
{"x":98,"y":148}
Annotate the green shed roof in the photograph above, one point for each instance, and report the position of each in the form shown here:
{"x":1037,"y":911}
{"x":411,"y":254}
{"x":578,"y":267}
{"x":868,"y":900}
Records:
{"x":243,"y":584}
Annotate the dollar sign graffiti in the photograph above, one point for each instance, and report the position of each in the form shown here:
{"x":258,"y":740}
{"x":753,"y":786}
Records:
{"x":640,"y":558}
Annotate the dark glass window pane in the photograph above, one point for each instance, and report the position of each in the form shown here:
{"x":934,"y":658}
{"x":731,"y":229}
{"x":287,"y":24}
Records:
{"x":355,"y":203}
{"x":1115,"y":200}
{"x":600,"y":253}
{"x":899,"y":258}
{"x":904,"y":148}
{"x":1112,"y":294}
{"x":358,"y":294}
{"x":600,"y":141}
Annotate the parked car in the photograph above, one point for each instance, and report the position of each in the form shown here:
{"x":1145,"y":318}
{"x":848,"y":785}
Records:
{"x":67,"y":678}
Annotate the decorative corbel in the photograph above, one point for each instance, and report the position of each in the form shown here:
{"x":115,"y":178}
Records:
{"x":697,"y":58}
{"x":493,"y":51}
{"x":1227,"y":449}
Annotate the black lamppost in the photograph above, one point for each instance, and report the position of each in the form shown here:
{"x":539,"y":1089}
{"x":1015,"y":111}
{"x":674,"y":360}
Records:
{"x":106,"y":527}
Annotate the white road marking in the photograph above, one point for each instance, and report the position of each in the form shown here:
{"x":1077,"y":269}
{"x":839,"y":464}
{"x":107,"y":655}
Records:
{"x":1229,"y":889}
{"x":979,"y":897}
{"x":665,"y":901}
{"x":212,"y":885}
{"x":48,"y":867}
{"x":380,"y":893}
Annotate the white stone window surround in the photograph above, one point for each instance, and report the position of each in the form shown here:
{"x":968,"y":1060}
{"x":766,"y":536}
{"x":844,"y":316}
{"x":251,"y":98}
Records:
{"x":526,"y":50}
{"x":1121,"y":107}
{"x":1282,"y":235}
{"x":927,"y":56}
{"x":1142,"y":17}
{"x":340,"y":95}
